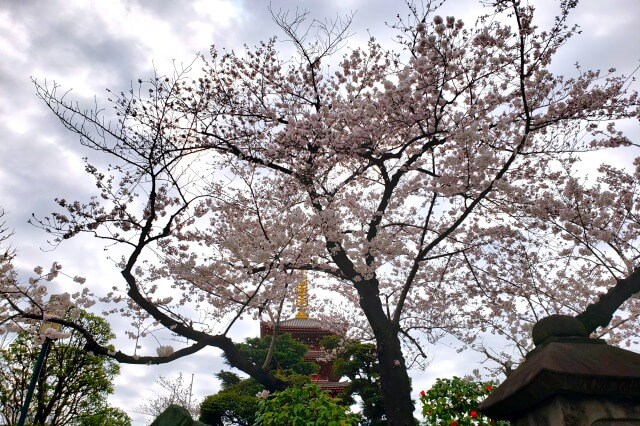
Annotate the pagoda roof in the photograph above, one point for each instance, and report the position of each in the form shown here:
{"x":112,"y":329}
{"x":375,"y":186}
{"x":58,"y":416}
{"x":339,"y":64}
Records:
{"x":302,"y":323}
{"x":315,"y":354}
{"x":308,"y":323}
{"x":329,"y":385}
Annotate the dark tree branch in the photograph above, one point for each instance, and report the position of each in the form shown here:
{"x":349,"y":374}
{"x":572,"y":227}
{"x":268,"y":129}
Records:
{"x":600,"y":313}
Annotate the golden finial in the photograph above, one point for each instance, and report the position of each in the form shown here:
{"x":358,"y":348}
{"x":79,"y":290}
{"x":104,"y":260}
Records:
{"x":302,"y":297}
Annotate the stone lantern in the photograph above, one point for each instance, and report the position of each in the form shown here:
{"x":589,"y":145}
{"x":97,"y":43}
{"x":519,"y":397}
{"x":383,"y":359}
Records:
{"x":569,"y":379}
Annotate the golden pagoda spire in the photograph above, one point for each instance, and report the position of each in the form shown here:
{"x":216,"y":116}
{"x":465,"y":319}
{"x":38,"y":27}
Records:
{"x":302,"y":297}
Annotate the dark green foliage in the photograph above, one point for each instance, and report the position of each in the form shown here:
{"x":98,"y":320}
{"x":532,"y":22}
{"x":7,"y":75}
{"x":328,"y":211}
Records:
{"x":304,"y":406}
{"x":358,"y":362}
{"x":228,"y":378}
{"x":109,"y":416}
{"x":237,"y":403}
{"x":455,"y":402}
{"x":73,"y":384}
{"x":287,"y":355}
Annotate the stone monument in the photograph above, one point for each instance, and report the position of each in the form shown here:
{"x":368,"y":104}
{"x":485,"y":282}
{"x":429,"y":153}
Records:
{"x":569,"y":379}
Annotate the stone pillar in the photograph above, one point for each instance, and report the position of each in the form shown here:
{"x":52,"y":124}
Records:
{"x":569,"y":379}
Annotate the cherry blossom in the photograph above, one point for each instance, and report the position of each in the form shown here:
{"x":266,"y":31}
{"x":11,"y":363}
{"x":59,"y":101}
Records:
{"x":436,"y":190}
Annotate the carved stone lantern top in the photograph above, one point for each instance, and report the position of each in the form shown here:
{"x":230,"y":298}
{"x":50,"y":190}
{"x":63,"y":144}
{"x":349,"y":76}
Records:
{"x":565,"y":362}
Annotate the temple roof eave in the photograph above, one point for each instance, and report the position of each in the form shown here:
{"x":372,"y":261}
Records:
{"x":298,"y":323}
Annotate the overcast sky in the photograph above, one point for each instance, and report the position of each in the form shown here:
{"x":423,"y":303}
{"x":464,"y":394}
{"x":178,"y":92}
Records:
{"x":89,"y":46}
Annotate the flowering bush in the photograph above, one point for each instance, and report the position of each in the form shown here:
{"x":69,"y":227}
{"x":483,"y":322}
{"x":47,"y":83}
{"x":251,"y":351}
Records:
{"x":454,"y":402}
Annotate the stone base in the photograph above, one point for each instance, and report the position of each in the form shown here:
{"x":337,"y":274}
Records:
{"x":583,"y":411}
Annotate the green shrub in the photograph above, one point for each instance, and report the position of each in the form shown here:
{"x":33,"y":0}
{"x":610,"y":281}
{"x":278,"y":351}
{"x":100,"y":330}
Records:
{"x":303,"y":406}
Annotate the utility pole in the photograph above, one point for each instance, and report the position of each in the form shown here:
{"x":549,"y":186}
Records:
{"x":190,"y":390}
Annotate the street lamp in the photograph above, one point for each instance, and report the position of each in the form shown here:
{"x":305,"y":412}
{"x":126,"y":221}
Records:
{"x":44,"y":351}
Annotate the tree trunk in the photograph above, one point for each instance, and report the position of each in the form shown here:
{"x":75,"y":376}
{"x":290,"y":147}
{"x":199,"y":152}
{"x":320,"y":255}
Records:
{"x":395,"y":383}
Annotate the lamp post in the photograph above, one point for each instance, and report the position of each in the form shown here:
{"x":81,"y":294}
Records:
{"x":37,"y":369}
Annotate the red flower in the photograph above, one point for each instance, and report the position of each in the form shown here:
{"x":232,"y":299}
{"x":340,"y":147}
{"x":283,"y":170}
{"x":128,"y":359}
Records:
{"x":453,"y":423}
{"x":422,"y":393}
{"x":489,"y":388}
{"x":474,"y":414}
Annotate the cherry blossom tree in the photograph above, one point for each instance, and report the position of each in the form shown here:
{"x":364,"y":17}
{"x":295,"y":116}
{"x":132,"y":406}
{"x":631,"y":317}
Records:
{"x":175,"y":392}
{"x":438,"y":189}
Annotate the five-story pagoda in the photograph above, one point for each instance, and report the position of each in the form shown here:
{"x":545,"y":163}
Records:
{"x":310,"y":332}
